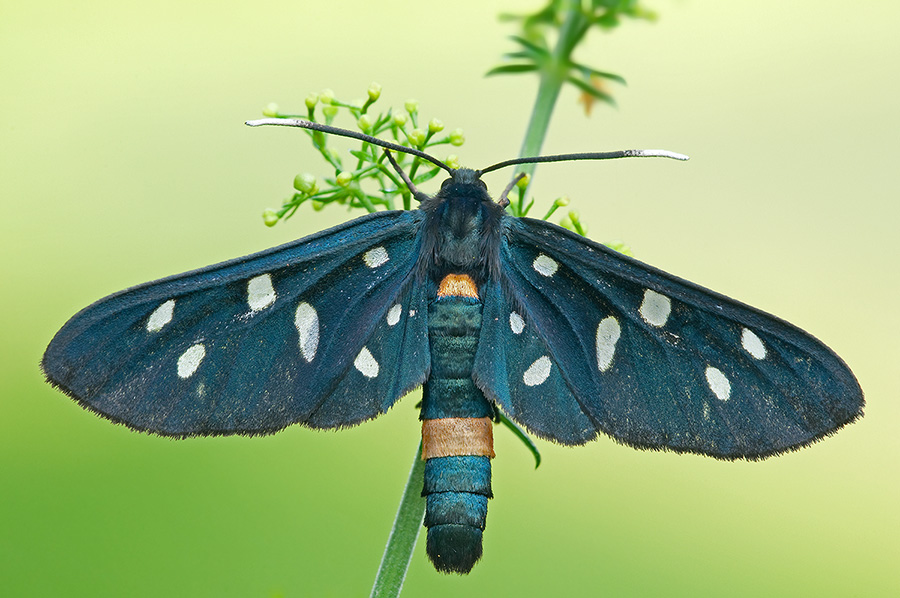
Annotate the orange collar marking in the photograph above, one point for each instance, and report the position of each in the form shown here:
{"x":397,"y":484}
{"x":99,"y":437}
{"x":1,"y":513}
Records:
{"x":458,"y":285}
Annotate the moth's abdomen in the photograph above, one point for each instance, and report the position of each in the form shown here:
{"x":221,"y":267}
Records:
{"x":457,"y":490}
{"x":457,"y":440}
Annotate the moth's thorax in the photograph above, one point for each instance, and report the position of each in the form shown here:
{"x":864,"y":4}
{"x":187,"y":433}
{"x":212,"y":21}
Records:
{"x":463,"y":231}
{"x":460,"y":231}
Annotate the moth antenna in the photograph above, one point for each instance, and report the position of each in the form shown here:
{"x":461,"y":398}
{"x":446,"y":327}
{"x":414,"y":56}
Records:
{"x":503,"y":200}
{"x":636,"y":153}
{"x":406,"y":180}
{"x":308,"y":124}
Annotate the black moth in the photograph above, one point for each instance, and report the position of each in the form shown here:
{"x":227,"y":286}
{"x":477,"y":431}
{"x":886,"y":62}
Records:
{"x":484,"y":310}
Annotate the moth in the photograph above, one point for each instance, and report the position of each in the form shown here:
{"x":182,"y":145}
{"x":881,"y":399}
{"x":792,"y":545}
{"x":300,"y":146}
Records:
{"x":486,"y":312}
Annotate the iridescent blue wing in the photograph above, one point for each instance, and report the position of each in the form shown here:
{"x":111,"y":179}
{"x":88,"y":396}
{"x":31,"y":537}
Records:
{"x":582,"y":339}
{"x":309,"y":332}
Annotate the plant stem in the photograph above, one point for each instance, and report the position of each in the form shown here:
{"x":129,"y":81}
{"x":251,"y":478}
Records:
{"x":548,"y":92}
{"x":402,"y":540}
{"x":552,"y":77}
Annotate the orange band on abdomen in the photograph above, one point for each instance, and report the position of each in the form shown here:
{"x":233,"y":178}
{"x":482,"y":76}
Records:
{"x":458,"y":285}
{"x":455,"y":436}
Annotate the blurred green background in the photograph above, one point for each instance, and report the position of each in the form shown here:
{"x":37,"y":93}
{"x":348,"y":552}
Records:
{"x":123,"y":158}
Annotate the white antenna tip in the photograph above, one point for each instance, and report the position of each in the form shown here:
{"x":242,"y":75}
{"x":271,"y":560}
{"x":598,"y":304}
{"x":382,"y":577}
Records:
{"x":289,"y":122}
{"x":660,"y":153}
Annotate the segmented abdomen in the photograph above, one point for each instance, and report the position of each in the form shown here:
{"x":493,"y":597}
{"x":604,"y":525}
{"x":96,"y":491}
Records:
{"x":457,"y":440}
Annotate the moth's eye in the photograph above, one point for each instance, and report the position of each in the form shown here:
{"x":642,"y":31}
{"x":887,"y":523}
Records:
{"x":446,"y":182}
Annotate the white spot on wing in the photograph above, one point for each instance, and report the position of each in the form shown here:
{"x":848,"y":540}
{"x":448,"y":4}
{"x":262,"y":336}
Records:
{"x":545,"y":266}
{"x":375,"y":257}
{"x":537,"y":372}
{"x":718,"y":383}
{"x":306,"y":319}
{"x":393,"y":315}
{"x":366,"y":364}
{"x":655,"y":308}
{"x":161,"y":316}
{"x":190,"y":360}
{"x":516,"y":323}
{"x":753,"y":344}
{"x":608,"y":333}
{"x":260,"y":293}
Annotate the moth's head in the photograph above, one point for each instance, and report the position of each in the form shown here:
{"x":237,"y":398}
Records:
{"x":464,"y":183}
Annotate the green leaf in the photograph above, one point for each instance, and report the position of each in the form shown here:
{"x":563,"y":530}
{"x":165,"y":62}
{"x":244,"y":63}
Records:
{"x":587,"y":72}
{"x":616,"y":5}
{"x":620,"y":247}
{"x":591,"y":90}
{"x":533,"y":47}
{"x":545,"y":16}
{"x":510,"y":69}
{"x":362,"y":155}
{"x":523,"y":436}
{"x":427,"y":176}
{"x":517,"y":55}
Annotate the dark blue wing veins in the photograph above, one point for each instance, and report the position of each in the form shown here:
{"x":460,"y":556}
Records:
{"x":603,"y":343}
{"x":300,"y":333}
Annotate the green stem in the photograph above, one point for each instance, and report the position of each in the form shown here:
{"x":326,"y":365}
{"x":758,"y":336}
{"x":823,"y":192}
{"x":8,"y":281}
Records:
{"x":548,"y":91}
{"x":553,"y":75}
{"x":402,"y":540}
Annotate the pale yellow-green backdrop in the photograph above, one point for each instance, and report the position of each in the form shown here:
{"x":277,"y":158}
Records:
{"x":123,"y":158}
